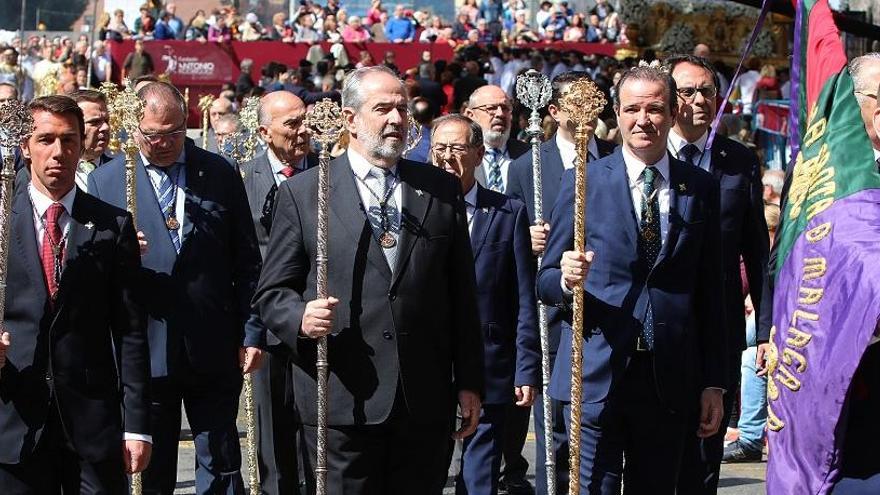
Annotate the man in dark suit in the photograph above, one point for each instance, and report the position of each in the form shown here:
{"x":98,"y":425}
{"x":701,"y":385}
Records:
{"x":93,"y":104}
{"x":505,"y":297}
{"x":490,"y":107}
{"x":653,"y":351}
{"x":75,"y":375}
{"x":287,"y":154}
{"x":431,"y":89}
{"x":219,"y":107}
{"x":199,"y":274}
{"x":557,"y":156}
{"x":743,"y":237}
{"x":404,"y":337}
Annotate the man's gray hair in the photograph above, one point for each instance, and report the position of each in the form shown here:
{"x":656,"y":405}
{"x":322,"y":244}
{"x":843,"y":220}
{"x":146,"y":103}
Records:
{"x":856,"y":69}
{"x":229,"y":118}
{"x":352,"y":95}
{"x":246,"y":64}
{"x":475,"y":134}
{"x":14,"y":89}
{"x":161,"y":95}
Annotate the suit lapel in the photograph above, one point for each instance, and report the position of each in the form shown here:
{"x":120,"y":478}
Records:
{"x":82,"y":230}
{"x":482,"y":222}
{"x":195,"y":187}
{"x":25,"y":237}
{"x":679,"y":203}
{"x":345,"y":203}
{"x":416,"y":204}
{"x":626,"y":211}
{"x":716,"y":154}
{"x":263,"y":177}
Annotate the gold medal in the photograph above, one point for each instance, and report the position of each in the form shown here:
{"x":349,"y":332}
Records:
{"x":387,"y":241}
{"x":648,"y":234}
{"x":172,"y":223}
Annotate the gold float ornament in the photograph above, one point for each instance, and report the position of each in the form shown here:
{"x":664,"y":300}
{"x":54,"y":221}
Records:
{"x":48,"y":84}
{"x":533,"y":90}
{"x":583,"y":101}
{"x":205,"y":102}
{"x":250,"y":122}
{"x":326,"y":125}
{"x":16,"y":125}
{"x":111,"y":93}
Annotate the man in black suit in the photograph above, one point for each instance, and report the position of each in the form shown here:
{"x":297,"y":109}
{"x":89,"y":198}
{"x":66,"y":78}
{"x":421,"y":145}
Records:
{"x":404,"y":335}
{"x":557,"y":156}
{"x":219,"y":107}
{"x":199,"y":275}
{"x":93,"y":104}
{"x":287,"y":153}
{"x":653,"y":352}
{"x":743,"y":237}
{"x":75,"y":375}
{"x":490,"y":107}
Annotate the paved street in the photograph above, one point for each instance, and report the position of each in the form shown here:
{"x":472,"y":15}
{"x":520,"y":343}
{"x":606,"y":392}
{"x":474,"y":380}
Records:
{"x":736,"y":479}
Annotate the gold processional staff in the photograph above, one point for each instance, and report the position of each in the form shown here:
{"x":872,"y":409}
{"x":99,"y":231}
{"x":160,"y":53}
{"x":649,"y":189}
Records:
{"x":534,"y":91}
{"x":205,"y":103}
{"x":16,"y":125}
{"x":583,"y":102}
{"x":325,"y":123}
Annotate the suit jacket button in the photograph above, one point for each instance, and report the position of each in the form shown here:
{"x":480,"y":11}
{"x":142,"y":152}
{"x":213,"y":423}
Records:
{"x":48,"y":377}
{"x":392,"y":296}
{"x":388,"y":335}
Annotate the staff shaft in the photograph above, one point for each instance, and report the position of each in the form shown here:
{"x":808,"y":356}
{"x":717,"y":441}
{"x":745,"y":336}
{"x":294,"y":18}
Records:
{"x":7,"y":176}
{"x":322,"y":363}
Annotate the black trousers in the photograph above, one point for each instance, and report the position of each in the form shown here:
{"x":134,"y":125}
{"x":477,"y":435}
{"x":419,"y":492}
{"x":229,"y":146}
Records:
{"x":276,"y":426}
{"x":55,"y":468}
{"x":398,"y":457}
{"x":515,"y":431}
{"x":701,"y":464}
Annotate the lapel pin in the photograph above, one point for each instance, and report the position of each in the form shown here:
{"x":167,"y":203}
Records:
{"x":242,"y":174}
{"x":723,"y":154}
{"x":89,"y":225}
{"x":682,"y":187}
{"x":202,"y":173}
{"x":419,"y":192}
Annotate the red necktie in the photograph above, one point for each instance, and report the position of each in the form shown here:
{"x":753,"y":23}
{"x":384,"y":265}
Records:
{"x":52,"y":248}
{"x":288,"y":172}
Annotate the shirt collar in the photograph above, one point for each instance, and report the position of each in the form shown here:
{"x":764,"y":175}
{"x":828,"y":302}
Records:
{"x":277,"y":165}
{"x":43,"y":202}
{"x":568,"y":146}
{"x":360,"y":165}
{"x":679,"y":142}
{"x":471,"y":196}
{"x":635,"y":166}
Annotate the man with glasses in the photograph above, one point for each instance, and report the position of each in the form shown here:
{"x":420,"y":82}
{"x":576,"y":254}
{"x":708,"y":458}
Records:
{"x":743,"y":237}
{"x":498,"y":228}
{"x":490,"y":107}
{"x":200,"y":273}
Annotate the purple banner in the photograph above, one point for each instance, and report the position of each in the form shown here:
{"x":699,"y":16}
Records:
{"x":826,"y":307}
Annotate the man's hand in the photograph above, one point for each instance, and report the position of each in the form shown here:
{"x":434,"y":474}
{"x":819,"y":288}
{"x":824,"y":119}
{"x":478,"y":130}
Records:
{"x":575,"y":266}
{"x":469,"y":403}
{"x":142,"y":243}
{"x":318,"y":317}
{"x":538,"y":233}
{"x":5,"y":342}
{"x":250,"y":359}
{"x":525,"y":395}
{"x":711,"y":407}
{"x":761,"y":358}
{"x":136,"y":455}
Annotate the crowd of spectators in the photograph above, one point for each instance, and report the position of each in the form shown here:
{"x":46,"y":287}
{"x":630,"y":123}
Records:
{"x":484,"y":21}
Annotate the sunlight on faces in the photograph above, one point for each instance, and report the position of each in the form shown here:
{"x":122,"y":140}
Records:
{"x":286,"y":135}
{"x":168,"y":126}
{"x":219,"y":108}
{"x":378,"y":128}
{"x":645,"y":118}
{"x":451,"y":151}
{"x":696,"y":111}
{"x":490,"y":107}
{"x":54,"y":150}
{"x":97,"y":125}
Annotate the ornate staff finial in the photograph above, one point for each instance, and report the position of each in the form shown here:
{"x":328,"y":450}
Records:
{"x":533,"y":90}
{"x":111,"y":93}
{"x":16,"y":123}
{"x":205,"y":102}
{"x":413,"y":135}
{"x":583,"y":101}
{"x":131,"y":111}
{"x":325,"y":122}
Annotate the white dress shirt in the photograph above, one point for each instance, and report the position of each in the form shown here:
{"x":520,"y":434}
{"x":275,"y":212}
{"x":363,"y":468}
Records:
{"x":634,"y":168}
{"x":41,"y":204}
{"x":568,"y":152}
{"x":277,"y":166}
{"x":470,"y":202}
{"x":156,"y":177}
{"x":675,"y":143}
{"x":361,"y":167}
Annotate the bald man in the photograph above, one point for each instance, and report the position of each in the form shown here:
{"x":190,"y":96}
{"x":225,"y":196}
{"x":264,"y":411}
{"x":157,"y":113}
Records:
{"x":220,"y":107}
{"x":287,"y":153}
{"x":491,"y":108}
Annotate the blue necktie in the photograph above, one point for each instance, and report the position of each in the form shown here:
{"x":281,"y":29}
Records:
{"x":689,"y":154}
{"x":165,"y":194}
{"x":493,"y":181}
{"x":649,"y":241}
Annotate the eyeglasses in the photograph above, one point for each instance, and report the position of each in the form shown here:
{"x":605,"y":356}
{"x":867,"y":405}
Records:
{"x":157,"y":137}
{"x":455,"y":149}
{"x":493,"y":108}
{"x":865,"y":93}
{"x":706,"y":91}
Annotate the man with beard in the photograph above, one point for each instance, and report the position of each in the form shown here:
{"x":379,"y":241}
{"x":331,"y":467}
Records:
{"x":97,"y":121}
{"x":404,"y":332}
{"x":490,"y":107}
{"x":281,"y":117}
{"x":743,"y":240}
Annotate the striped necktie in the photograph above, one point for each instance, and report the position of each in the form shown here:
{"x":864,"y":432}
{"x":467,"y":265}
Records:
{"x":165,"y":193}
{"x":493,"y":160}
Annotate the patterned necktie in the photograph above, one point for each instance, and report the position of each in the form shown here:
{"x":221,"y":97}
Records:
{"x":384,"y":220}
{"x":689,"y":153}
{"x":493,"y":181}
{"x":165,"y":193}
{"x":52,"y":249}
{"x":649,"y":240}
{"x":288,"y":172}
